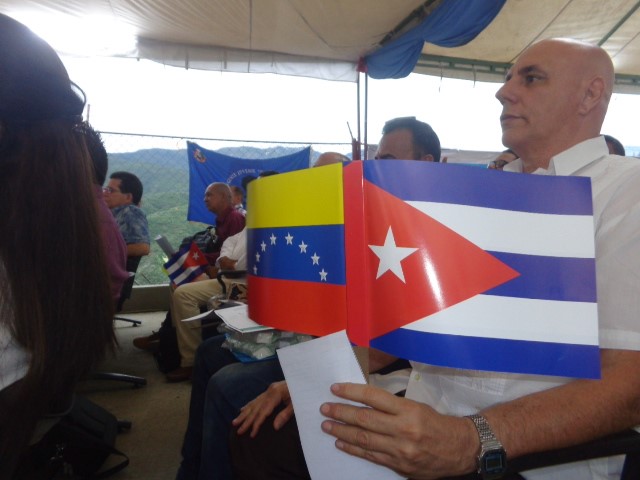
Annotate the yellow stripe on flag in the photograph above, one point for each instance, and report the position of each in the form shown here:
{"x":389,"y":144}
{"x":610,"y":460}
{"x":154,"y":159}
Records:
{"x":300,"y":198}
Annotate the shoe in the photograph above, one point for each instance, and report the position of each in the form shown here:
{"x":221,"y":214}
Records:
{"x":149,"y":343}
{"x":179,"y":374}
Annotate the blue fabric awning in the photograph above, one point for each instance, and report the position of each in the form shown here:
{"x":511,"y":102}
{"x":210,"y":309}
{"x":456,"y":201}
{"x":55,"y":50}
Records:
{"x":452,"y":24}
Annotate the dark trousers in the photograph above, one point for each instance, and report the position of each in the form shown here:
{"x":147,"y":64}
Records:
{"x":220,"y":387}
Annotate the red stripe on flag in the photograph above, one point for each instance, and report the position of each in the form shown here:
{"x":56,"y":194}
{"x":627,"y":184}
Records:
{"x":311,"y":308}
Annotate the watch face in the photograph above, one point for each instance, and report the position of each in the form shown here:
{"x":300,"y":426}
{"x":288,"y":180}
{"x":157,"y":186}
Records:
{"x":494,"y":461}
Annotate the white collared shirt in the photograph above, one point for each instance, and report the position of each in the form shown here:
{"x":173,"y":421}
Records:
{"x":616,"y":199}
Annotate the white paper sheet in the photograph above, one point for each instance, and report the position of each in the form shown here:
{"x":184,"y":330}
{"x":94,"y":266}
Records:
{"x":238,"y":319}
{"x":310,"y":368}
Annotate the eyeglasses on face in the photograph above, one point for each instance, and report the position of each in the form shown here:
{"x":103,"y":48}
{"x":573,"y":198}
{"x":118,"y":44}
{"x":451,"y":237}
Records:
{"x":110,"y":190}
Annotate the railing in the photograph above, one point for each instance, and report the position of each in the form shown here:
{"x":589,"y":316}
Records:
{"x":161,"y":164}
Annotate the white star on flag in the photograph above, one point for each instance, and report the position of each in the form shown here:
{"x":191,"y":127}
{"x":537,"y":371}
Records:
{"x":323,"y":275}
{"x":255,"y":270}
{"x":303,"y":247}
{"x":390,"y":256}
{"x":257,"y":257}
{"x":195,"y":256}
{"x":289,"y":238}
{"x":263,"y":246}
{"x":315,"y":258}
{"x":273,"y":239}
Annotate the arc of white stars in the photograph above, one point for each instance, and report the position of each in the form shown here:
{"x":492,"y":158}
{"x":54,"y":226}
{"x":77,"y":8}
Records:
{"x":303,"y":247}
{"x":391,"y":256}
{"x":289,"y":239}
{"x":315,"y":258}
{"x":273,"y":239}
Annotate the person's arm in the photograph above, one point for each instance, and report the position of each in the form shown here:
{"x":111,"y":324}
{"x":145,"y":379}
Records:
{"x":138,"y":249}
{"x":254,"y":413}
{"x":414,"y":440}
{"x":226,"y":263}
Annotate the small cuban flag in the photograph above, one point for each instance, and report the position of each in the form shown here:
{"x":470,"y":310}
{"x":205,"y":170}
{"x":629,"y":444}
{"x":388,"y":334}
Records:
{"x":476,"y":269}
{"x":186,"y":264}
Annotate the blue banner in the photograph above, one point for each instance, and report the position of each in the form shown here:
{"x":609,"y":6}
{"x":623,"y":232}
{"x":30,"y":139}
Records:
{"x":207,"y":166}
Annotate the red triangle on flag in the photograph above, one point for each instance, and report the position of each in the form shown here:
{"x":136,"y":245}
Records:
{"x":445,"y":269}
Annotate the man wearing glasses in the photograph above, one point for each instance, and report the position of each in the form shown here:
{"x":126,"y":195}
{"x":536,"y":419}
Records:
{"x":123,"y":195}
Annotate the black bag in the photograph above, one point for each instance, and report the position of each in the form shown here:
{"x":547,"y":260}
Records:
{"x":206,"y":240}
{"x":79,"y":444}
{"x":168,"y":355}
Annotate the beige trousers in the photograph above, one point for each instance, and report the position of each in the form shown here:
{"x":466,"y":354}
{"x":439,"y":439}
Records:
{"x":185,"y":303}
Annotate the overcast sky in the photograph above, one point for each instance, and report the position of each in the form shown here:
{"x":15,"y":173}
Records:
{"x":130,"y":96}
{"x":133,"y":96}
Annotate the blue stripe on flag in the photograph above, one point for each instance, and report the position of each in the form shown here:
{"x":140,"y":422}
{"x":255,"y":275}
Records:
{"x":459,"y":184}
{"x":294,"y":259}
{"x":510,"y":356}
{"x":185,"y":276}
{"x":548,"y":278}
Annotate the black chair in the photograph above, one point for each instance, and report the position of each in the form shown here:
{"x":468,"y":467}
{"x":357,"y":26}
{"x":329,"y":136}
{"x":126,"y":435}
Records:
{"x":125,"y":293}
{"x":127,"y":288}
{"x":231,"y":274}
{"x":625,"y":443}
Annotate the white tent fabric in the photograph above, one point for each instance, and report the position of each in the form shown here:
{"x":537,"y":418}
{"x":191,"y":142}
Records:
{"x":326,"y":38}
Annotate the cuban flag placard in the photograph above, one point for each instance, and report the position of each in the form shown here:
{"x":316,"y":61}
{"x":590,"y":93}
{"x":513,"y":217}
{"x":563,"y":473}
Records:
{"x":186,"y":264}
{"x":475,"y":269}
{"x":295,"y":251}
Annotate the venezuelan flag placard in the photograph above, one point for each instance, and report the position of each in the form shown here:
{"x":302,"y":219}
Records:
{"x":295,"y":246}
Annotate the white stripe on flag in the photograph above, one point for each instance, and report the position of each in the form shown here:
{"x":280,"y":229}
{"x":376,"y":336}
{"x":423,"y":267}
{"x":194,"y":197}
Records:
{"x":516,"y":232}
{"x":516,"y":319}
{"x":177,"y":264}
{"x":185,"y":274}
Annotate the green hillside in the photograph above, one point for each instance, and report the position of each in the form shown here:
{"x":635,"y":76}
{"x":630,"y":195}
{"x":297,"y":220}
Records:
{"x":165,"y":176}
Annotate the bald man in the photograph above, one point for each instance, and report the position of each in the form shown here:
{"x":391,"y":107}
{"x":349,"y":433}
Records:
{"x":554,"y":101}
{"x":329,"y":158}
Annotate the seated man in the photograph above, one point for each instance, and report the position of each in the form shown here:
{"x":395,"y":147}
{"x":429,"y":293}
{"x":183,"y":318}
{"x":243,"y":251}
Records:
{"x":238,"y":199}
{"x":187,"y":299}
{"x":123,"y":195}
{"x":229,"y":222}
{"x":554,"y":102}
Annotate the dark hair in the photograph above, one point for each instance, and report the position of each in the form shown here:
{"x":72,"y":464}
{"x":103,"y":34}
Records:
{"x":618,"y":148}
{"x":129,"y":183}
{"x":55,"y":298}
{"x":236,"y":190}
{"x":97,"y":152}
{"x":425,"y":140}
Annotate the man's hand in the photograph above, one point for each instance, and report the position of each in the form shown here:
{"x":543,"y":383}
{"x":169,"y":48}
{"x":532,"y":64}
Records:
{"x":409,"y":437}
{"x":253,"y":414}
{"x":227,"y":263}
{"x":211,"y":271}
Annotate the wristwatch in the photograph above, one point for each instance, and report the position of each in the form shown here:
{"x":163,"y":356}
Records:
{"x":492,"y":460}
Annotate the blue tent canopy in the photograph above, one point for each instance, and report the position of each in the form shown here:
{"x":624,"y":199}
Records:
{"x":452,"y":24}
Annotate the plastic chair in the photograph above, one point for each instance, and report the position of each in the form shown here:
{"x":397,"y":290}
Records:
{"x":125,"y":293}
{"x":127,"y":288}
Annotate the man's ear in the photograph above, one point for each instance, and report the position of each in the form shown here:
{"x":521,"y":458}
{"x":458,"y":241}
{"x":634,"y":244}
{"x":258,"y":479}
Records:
{"x":129,"y":197}
{"x":427,"y":158}
{"x":593,"y":95}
